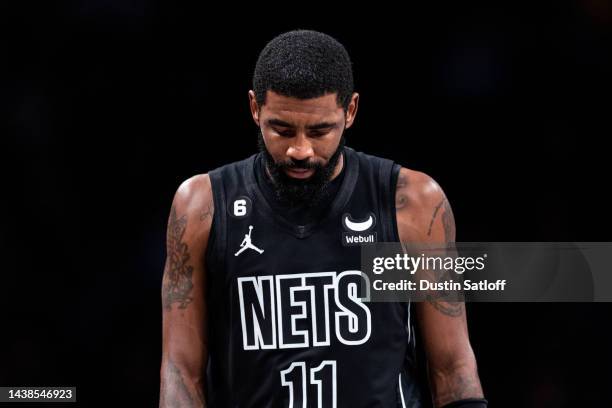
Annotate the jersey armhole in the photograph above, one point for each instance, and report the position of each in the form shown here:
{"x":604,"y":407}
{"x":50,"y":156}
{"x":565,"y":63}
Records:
{"x":389,"y":174}
{"x":216,"y":240}
{"x":395,"y":171}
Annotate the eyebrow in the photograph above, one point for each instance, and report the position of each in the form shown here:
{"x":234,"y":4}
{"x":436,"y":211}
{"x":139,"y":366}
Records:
{"x":322,"y":125}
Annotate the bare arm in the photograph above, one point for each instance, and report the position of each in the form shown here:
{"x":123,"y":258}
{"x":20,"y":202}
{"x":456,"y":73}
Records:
{"x":424,"y":215}
{"x":184,"y":344}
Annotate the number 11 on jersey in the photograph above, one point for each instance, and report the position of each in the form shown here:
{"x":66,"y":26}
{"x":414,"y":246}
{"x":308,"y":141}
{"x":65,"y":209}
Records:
{"x":322,"y":377}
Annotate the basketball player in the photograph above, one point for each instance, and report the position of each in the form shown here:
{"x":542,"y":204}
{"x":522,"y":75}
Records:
{"x":263,"y":257}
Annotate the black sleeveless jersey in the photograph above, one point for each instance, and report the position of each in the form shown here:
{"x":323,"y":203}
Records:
{"x":286,"y":324}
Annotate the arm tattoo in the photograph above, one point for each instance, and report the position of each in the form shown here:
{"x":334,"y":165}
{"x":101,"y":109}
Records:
{"x":450,"y":309}
{"x":207,"y":212}
{"x":433,"y":217}
{"x":174,"y":392}
{"x":439,"y":300}
{"x":177,"y":273}
{"x":448,"y":220}
{"x":447,"y":302}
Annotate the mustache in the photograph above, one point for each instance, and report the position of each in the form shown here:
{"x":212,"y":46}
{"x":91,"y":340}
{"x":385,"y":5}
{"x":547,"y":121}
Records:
{"x":298,"y":164}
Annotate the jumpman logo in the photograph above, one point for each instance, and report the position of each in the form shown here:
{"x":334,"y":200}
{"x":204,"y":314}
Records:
{"x":246,"y":243}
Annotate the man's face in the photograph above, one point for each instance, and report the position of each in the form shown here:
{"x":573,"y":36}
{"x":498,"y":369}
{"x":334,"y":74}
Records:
{"x":301,"y":141}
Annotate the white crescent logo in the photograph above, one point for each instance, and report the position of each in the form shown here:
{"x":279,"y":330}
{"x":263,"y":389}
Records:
{"x":358,"y":226}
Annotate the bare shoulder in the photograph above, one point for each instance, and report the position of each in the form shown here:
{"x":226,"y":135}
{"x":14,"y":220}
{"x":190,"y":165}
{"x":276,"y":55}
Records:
{"x":192,"y":211}
{"x":416,"y":189}
{"x":194,"y":198}
{"x":423,"y":211}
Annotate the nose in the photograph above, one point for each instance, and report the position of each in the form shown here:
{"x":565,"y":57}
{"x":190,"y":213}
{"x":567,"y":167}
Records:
{"x":300,"y":148}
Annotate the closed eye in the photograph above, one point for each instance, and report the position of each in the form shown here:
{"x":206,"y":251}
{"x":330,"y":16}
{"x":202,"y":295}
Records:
{"x":319,"y":132}
{"x":285,"y":132}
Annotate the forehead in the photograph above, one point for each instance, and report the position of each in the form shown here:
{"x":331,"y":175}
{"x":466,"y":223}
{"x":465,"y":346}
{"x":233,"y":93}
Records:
{"x":286,"y":107}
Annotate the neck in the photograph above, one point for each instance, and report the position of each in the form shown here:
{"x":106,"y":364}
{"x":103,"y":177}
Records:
{"x":338,"y":168}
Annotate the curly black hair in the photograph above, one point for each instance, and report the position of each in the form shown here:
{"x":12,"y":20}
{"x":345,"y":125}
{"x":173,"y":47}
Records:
{"x":304,"y":64}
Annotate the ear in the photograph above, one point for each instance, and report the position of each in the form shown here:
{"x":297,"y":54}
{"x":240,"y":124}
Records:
{"x":351,"y":111}
{"x":254,"y":107}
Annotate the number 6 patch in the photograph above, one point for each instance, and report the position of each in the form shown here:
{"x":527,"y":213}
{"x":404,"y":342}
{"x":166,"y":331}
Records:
{"x":240,"y":207}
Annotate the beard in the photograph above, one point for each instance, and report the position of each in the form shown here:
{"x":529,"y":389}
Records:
{"x":292,"y":191}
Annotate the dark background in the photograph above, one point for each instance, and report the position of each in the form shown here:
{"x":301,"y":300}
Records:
{"x":108,"y":105}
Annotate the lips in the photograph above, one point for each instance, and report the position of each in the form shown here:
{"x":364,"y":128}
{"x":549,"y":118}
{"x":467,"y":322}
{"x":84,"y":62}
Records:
{"x":299,"y":173}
